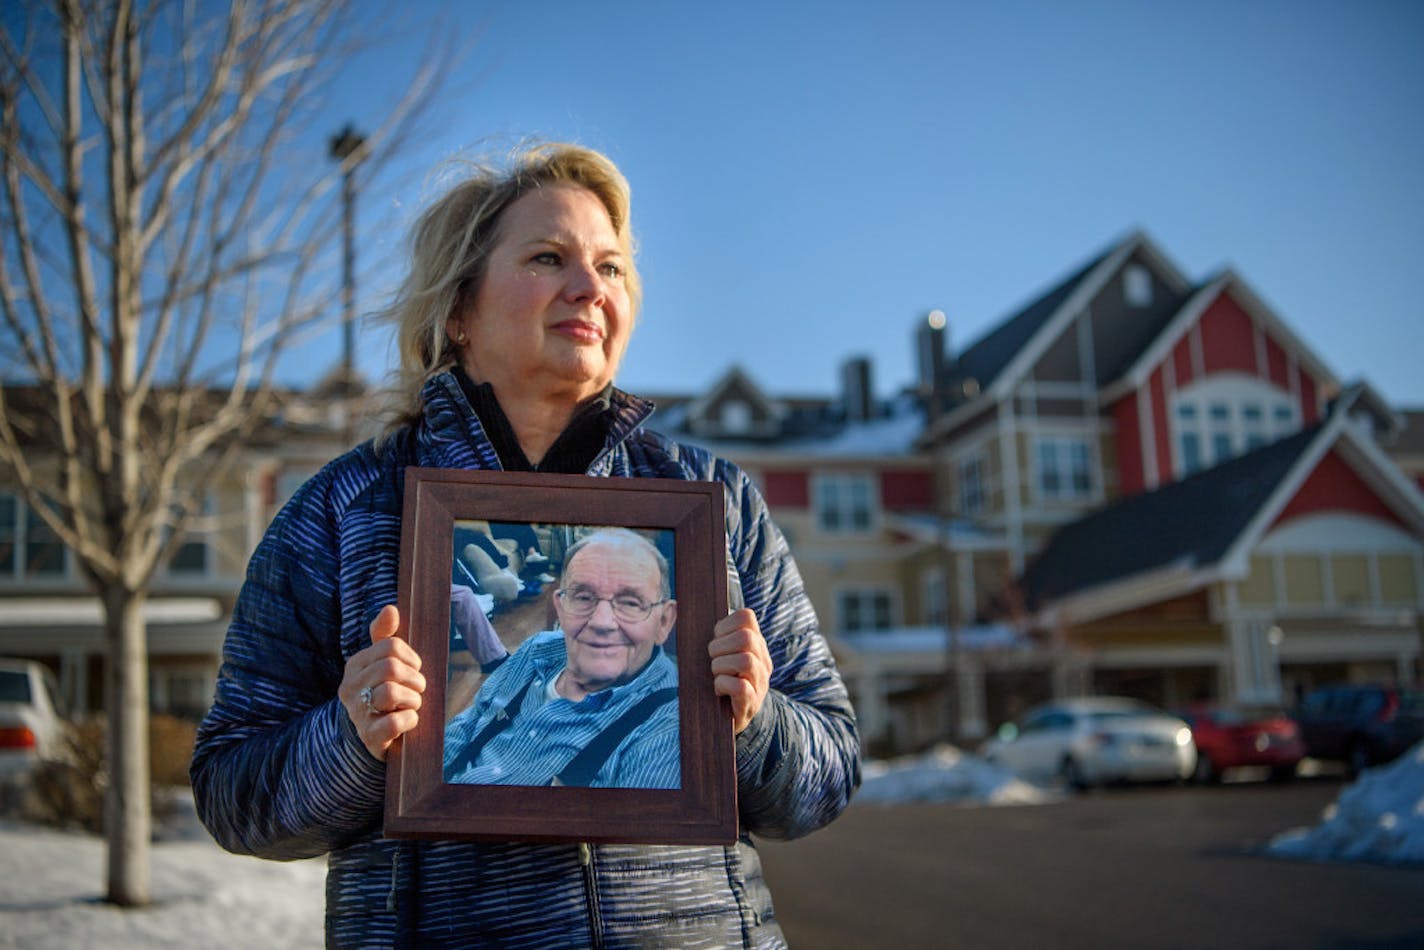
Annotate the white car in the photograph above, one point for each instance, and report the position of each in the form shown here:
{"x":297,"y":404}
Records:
{"x":31,"y":724}
{"x":1094,"y":740}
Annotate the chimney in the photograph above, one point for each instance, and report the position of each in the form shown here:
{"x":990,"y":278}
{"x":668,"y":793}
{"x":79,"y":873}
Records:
{"x":857,"y":397}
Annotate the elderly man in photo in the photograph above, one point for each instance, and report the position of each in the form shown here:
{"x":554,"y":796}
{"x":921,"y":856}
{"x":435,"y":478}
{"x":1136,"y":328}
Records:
{"x":592,"y":703}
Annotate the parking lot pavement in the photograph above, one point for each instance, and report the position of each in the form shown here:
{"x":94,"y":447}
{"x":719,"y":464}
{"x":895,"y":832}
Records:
{"x":1139,"y":867}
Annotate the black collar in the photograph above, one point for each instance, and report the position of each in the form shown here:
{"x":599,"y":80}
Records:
{"x":572,"y":452}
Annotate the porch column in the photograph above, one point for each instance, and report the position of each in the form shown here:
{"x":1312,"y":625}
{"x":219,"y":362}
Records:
{"x":973,"y":714}
{"x":870,"y":701}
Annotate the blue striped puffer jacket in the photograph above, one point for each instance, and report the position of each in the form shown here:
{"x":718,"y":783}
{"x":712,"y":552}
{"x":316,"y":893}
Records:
{"x":279,"y":771}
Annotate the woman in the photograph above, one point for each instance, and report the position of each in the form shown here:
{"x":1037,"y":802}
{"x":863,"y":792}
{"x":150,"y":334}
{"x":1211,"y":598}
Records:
{"x":512,"y":323}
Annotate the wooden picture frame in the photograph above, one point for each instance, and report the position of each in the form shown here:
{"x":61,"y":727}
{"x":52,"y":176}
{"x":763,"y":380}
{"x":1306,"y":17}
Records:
{"x":689,"y":516}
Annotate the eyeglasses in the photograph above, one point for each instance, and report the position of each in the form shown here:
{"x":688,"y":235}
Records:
{"x":582,"y":602}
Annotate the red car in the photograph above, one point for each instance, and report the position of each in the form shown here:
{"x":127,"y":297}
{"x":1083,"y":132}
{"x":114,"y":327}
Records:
{"x":1228,"y":737}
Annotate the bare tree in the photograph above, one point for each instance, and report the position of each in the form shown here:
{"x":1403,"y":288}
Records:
{"x":167,"y":225}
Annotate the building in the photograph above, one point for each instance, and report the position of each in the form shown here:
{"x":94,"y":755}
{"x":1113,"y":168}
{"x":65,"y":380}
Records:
{"x":49,"y":613}
{"x":1135,"y":483}
{"x":856,"y":498}
{"x":1193,"y":504}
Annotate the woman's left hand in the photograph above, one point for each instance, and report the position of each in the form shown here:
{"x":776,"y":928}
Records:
{"x":741,"y":665}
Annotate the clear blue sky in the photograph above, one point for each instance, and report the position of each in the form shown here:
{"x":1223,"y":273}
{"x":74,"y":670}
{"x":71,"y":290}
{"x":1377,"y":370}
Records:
{"x":810,"y":178}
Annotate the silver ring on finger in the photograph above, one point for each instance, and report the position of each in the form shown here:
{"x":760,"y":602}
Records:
{"x":368,"y":698}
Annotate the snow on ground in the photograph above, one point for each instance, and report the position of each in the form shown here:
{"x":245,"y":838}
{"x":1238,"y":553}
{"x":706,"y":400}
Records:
{"x":1379,"y":818}
{"x":51,"y":895}
{"x":53,"y":881}
{"x":945,"y":774}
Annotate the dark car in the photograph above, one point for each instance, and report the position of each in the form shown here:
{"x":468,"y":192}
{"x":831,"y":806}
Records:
{"x":1360,"y":725}
{"x":1230,"y":737}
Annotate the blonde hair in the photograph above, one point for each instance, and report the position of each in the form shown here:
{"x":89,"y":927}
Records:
{"x":450,"y":245}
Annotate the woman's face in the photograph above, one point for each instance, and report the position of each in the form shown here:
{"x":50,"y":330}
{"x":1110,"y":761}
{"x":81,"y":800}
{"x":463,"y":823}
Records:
{"x":552,"y":316}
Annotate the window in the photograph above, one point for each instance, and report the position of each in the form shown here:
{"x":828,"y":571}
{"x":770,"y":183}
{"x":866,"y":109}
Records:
{"x":1065,"y":468}
{"x":862,"y":610}
{"x":843,"y":502}
{"x":971,"y":486}
{"x":1240,"y":415}
{"x":185,"y":692}
{"x":932,"y":590}
{"x":1137,"y":286}
{"x":736,"y":417}
{"x":1253,"y":426}
{"x":192,"y":557}
{"x":29,"y":548}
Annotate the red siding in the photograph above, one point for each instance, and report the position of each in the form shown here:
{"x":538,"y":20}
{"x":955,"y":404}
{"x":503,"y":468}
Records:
{"x":1334,"y":486}
{"x":1228,"y":340}
{"x":1182,"y":361}
{"x":788,"y":489}
{"x":906,"y":490}
{"x":1309,"y":409}
{"x":1277,"y":365}
{"x":1130,"y":475}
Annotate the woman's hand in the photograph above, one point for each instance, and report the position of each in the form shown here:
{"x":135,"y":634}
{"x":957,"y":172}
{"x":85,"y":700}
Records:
{"x":741,"y":665}
{"x":390,"y":670}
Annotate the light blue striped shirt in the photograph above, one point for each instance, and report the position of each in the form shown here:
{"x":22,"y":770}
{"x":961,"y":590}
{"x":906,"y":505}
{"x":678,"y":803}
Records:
{"x":547,"y":730}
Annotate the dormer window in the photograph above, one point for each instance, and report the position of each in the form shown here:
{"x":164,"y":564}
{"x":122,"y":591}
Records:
{"x":736,"y":416}
{"x":1137,"y":286}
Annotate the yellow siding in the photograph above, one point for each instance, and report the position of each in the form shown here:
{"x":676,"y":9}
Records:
{"x":1260,"y":586}
{"x":1397,"y":585}
{"x":1350,"y":574}
{"x":1303,"y":580}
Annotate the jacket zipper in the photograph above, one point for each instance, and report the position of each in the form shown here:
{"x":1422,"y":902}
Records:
{"x":590,"y":887}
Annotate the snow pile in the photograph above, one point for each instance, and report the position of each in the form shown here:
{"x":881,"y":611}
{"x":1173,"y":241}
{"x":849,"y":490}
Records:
{"x":51,"y":896}
{"x":1378,"y":818}
{"x":945,"y":774}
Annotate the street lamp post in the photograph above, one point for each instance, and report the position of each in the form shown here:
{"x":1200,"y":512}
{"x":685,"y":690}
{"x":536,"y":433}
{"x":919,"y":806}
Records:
{"x":933,"y":374}
{"x":349,"y":148}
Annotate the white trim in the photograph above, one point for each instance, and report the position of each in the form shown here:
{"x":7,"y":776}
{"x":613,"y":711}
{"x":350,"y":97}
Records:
{"x":1057,"y":389}
{"x":1147,"y":429}
{"x":1187,"y":323}
{"x":61,"y":611}
{"x":1236,"y":561}
{"x":1013,"y":502}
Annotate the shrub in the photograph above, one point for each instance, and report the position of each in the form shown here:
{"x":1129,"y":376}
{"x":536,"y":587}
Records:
{"x":68,"y":792}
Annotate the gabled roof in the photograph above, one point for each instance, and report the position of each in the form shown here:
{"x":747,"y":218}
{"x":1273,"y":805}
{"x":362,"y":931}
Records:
{"x":1203,"y":528}
{"x":1187,"y":523}
{"x":996,"y":360}
{"x":1135,"y":374}
{"x":985,"y":359}
{"x":734,"y":381}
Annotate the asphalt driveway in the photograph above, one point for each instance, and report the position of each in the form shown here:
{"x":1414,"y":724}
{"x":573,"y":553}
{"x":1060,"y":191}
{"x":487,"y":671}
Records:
{"x":1142,"y":867}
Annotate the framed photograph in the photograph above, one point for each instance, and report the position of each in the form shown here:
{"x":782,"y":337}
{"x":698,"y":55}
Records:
{"x":562,"y":623}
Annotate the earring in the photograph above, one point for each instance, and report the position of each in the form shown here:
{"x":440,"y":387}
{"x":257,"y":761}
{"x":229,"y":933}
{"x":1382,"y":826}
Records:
{"x":459,"y":337}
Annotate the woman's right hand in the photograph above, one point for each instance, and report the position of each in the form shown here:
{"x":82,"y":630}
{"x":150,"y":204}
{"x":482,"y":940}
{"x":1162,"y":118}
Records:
{"x":390,"y":669}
